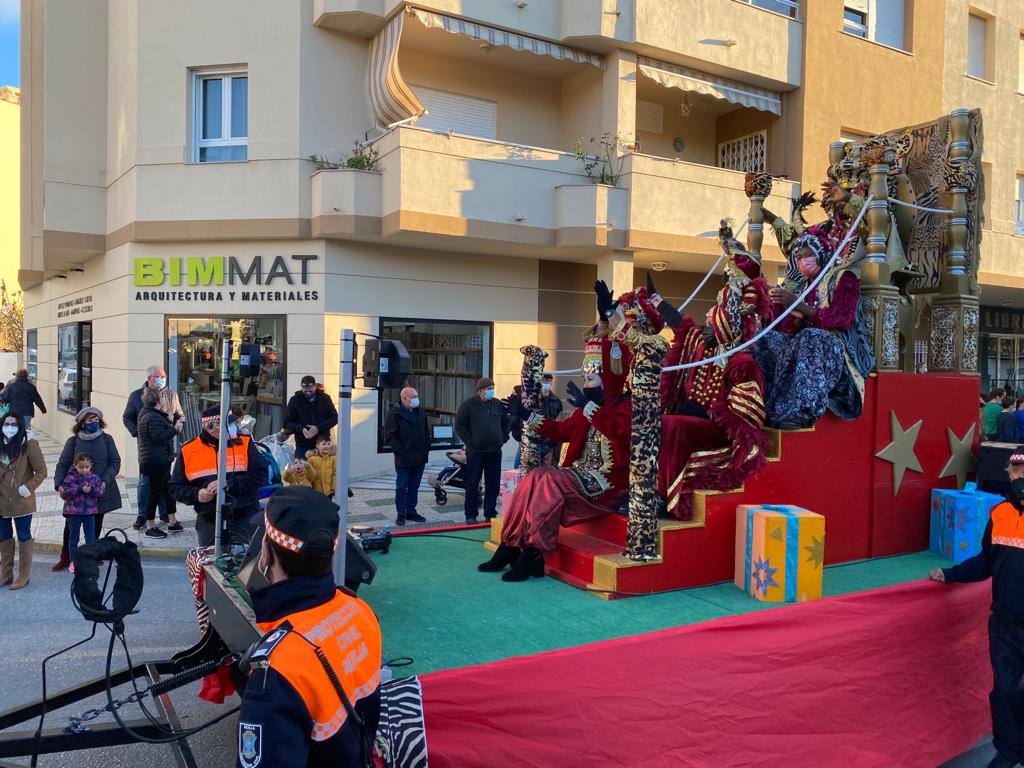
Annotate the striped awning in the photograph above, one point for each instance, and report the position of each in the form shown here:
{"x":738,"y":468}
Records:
{"x":390,"y":96}
{"x":672,"y":76}
{"x":495,"y":36}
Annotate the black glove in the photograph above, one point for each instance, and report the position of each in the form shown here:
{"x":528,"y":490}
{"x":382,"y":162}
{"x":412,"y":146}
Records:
{"x":575,"y":395}
{"x":670,"y":314}
{"x":605,"y":304}
{"x":650,"y":285}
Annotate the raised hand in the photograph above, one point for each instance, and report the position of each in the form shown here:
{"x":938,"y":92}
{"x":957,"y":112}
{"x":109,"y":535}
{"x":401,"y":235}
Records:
{"x":605,"y":303}
{"x":575,"y":395}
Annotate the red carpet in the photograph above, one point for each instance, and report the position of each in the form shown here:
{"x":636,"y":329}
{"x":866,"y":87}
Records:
{"x":890,"y":677}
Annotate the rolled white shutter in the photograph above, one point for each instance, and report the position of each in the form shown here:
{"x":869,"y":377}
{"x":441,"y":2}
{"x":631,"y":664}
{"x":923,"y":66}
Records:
{"x":977,"y":29}
{"x":460,"y":114}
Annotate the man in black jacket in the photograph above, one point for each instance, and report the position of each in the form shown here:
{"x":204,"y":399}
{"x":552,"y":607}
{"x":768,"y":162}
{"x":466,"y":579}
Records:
{"x":310,"y":412}
{"x":194,"y":481}
{"x":23,"y":397}
{"x":1002,"y":559}
{"x":406,"y":433}
{"x":483,"y":424}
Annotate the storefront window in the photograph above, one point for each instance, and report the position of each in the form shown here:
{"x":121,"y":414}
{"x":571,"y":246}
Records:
{"x":74,"y":366}
{"x":194,"y":359}
{"x":32,"y":353}
{"x":1002,"y":363}
{"x":448,"y":357}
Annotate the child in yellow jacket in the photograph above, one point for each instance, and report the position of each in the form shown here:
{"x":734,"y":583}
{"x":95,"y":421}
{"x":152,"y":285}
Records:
{"x":324,"y":462}
{"x":300,"y":472}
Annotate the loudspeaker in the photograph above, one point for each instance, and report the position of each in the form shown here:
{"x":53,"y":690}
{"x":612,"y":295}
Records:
{"x":359,"y":568}
{"x":249,"y":359}
{"x":386,"y":364}
{"x":992,"y":461}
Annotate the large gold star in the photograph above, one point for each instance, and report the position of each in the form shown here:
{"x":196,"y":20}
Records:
{"x":900,"y":452}
{"x":816,"y":551}
{"x":961,"y":460}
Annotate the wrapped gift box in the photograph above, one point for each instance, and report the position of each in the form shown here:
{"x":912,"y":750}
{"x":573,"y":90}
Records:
{"x":958,"y":520}
{"x":509,"y":481}
{"x":780,"y":552}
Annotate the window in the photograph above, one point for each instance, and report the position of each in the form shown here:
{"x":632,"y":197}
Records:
{"x":977,"y":46}
{"x":194,"y":359}
{"x":32,"y":353}
{"x":1018,"y":207}
{"x":879,"y":20}
{"x":221,"y":117}
{"x":650,"y":117}
{"x":747,"y":153}
{"x":74,"y":366}
{"x":457,"y":113}
{"x":855,"y":22}
{"x":789,"y":8}
{"x":1020,"y":65}
{"x":448,"y":357}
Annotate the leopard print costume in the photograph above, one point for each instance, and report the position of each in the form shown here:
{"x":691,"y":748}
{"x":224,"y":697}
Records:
{"x":533,"y":369}
{"x":645,"y":443}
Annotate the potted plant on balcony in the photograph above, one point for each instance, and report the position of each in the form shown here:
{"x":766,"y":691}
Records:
{"x":364,"y":157}
{"x":606,"y":166}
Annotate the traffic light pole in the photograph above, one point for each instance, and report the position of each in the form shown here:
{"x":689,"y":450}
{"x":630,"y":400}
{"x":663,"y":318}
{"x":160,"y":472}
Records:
{"x":346,"y":381}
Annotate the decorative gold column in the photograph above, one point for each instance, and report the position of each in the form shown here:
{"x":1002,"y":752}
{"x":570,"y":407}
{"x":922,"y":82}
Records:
{"x":881,"y":297}
{"x":953,"y":344}
{"x":758,"y":187}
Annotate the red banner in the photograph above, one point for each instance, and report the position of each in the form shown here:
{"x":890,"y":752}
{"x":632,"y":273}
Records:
{"x":893,"y":676}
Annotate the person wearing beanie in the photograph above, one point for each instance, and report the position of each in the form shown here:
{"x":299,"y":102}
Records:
{"x":309,"y":414}
{"x":483,"y":424}
{"x":293,"y":714}
{"x":194,"y":480}
{"x":89,"y":436}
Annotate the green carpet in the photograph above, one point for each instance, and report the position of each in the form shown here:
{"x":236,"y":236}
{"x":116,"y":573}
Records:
{"x":436,"y":608}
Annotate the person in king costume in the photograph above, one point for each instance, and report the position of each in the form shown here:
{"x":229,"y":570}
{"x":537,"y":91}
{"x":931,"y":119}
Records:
{"x":593,"y":479}
{"x":713,"y":414}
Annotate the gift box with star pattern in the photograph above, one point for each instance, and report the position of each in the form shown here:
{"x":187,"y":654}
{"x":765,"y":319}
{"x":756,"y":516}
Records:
{"x":780,"y":552}
{"x":958,"y":520}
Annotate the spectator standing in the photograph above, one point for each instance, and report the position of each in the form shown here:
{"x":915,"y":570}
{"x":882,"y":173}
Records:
{"x":406,"y":433}
{"x":156,"y":453}
{"x":483,"y":425}
{"x":325,"y":465}
{"x":22,"y":471}
{"x":23,"y":397}
{"x":551,"y":409}
{"x":194,"y":480}
{"x":170,"y":407}
{"x":990,"y":414}
{"x":1006,"y":424}
{"x":88,"y":436}
{"x":1020,"y":417}
{"x":1002,"y":559}
{"x":310,"y":413}
{"x":81,"y":490}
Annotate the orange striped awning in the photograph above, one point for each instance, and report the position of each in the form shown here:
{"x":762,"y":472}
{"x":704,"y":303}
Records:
{"x":390,"y":96}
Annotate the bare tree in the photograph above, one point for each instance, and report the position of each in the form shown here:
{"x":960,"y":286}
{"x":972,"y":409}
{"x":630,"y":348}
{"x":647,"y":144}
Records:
{"x":12,"y":319}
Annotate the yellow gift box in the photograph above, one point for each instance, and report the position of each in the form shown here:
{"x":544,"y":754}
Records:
{"x":780,"y":552}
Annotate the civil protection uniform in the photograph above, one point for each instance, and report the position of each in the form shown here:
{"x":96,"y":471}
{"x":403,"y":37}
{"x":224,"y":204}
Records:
{"x":292,"y":715}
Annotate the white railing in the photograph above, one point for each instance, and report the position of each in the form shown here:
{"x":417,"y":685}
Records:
{"x":789,"y":8}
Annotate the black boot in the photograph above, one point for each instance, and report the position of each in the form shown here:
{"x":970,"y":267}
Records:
{"x":530,"y":563}
{"x":503,"y":556}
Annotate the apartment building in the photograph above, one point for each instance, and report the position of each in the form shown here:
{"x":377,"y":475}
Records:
{"x":170,"y":199}
{"x":10,"y":158}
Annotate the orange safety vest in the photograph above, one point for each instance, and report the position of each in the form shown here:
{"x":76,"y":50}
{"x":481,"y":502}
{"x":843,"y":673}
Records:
{"x":201,"y":459}
{"x":1007,"y":526}
{"x":347,"y":631}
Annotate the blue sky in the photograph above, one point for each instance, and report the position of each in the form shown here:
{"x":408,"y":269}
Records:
{"x":9,"y":62}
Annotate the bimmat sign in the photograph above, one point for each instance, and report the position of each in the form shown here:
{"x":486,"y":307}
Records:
{"x":224,"y":278}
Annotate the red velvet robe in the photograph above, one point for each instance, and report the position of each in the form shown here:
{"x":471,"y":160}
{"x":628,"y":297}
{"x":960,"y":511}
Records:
{"x":551,"y":497}
{"x":714,"y":453}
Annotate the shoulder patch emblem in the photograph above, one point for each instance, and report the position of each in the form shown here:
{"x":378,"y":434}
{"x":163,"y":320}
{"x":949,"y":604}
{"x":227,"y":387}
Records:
{"x":250,"y":744}
{"x":268,"y":643}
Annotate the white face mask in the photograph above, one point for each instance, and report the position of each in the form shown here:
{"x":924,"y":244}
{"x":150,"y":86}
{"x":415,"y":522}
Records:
{"x":414,"y":402}
{"x":10,"y":431}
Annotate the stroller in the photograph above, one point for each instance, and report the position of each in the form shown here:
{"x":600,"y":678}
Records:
{"x":452,"y":477}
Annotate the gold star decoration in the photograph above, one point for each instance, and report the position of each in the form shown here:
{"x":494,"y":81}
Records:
{"x":816,"y":551}
{"x":961,"y":460}
{"x":900,"y":452}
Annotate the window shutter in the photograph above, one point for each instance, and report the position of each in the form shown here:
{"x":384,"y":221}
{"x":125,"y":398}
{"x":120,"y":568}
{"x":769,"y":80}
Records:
{"x":1020,"y":65}
{"x":861,"y":6}
{"x":458,"y":113}
{"x":977,"y":28}
{"x":650,"y":117}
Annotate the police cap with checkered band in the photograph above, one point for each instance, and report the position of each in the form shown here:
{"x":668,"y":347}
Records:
{"x":303,"y":521}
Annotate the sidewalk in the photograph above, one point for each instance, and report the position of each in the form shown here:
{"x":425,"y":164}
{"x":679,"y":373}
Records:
{"x":373,"y":504}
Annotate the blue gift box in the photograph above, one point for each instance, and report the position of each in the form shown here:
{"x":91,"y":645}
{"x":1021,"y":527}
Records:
{"x":958,"y":520}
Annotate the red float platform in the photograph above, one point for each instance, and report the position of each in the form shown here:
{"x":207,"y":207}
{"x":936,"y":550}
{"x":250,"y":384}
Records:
{"x":831,"y":469}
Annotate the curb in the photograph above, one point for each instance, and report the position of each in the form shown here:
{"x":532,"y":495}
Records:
{"x":159,"y":554}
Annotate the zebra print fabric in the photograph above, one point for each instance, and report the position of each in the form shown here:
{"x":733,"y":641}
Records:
{"x":401,"y":736}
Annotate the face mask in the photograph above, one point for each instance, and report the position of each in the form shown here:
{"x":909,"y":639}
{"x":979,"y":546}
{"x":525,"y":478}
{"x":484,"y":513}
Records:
{"x":1016,"y":488}
{"x":10,"y":432}
{"x":545,"y":387}
{"x":160,"y":383}
{"x":91,"y":427}
{"x":594,"y":394}
{"x":415,"y":402}
{"x":232,"y":430}
{"x":489,"y":394}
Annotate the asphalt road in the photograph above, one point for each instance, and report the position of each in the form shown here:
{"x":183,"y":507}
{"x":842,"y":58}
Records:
{"x":40,"y":620}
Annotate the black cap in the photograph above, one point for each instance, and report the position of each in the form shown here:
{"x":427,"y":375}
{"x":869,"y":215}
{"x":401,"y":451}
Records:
{"x":307,"y":381}
{"x":213,"y":410}
{"x":303,"y":521}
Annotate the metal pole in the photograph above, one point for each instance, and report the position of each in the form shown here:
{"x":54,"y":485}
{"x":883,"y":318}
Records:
{"x":222,"y":446}
{"x":345,"y":383}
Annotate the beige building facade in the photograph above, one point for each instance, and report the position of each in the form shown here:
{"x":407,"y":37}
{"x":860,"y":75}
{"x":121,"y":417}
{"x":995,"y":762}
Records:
{"x":169,"y":198}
